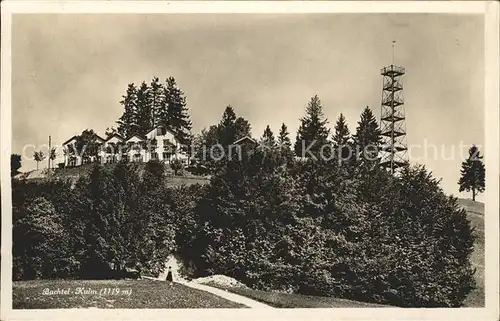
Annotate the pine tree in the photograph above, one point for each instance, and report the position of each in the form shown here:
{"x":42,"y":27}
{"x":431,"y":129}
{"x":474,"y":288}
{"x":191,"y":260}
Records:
{"x":177,"y":116}
{"x":268,"y":137}
{"x":157,"y":99}
{"x":341,"y":137}
{"x":367,"y":135}
{"x":312,"y":134}
{"x":283,"y":137}
{"x":226,"y":128}
{"x":242,"y":128}
{"x":144,"y":113}
{"x":473,"y":173}
{"x":127,"y":124}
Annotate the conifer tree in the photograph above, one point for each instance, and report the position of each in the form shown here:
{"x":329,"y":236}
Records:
{"x":226,"y":128}
{"x":312,"y":134}
{"x":283,"y":138}
{"x":127,"y":123}
{"x":367,"y":134}
{"x":268,"y":137}
{"x":473,"y":173}
{"x":177,"y":116}
{"x":157,"y":100}
{"x":341,"y":137}
{"x":242,"y":128}
{"x":144,"y":113}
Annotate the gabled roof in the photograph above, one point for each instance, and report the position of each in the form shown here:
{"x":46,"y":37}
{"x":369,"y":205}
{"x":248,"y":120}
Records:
{"x":135,"y":135}
{"x":161,"y":126}
{"x":66,"y":142}
{"x":115,"y":135}
{"x":100,"y":138}
{"x":243,"y":139}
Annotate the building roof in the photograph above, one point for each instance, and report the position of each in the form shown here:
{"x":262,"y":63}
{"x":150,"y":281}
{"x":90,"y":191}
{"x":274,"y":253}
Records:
{"x":69,"y":140}
{"x":114,"y":135}
{"x":135,"y":135}
{"x":162,"y":126}
{"x":243,"y":139}
{"x":100,"y":138}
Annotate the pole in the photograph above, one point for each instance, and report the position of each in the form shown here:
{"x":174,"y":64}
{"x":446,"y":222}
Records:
{"x":49,"y":151}
{"x":393,"y":51}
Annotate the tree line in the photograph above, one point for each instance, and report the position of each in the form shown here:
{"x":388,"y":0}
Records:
{"x":146,"y":106}
{"x":343,"y":228}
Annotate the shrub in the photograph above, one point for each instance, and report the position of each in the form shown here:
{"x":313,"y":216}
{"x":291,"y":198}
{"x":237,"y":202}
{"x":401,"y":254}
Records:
{"x":177,"y":166}
{"x":333,"y":230}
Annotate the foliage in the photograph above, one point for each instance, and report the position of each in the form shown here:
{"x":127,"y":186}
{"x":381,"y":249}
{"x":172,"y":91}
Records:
{"x":312,"y":132}
{"x":155,"y":104}
{"x":313,"y":227}
{"x":85,"y":146}
{"x":341,"y":138}
{"x":38,"y":157}
{"x":213,"y":144}
{"x":329,"y":230}
{"x":128,"y":122}
{"x":177,"y":166}
{"x":177,"y":116}
{"x":15,"y":164}
{"x":472,"y":173}
{"x":367,"y":138}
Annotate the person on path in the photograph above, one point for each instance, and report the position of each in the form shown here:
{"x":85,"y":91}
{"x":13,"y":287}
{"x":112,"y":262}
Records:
{"x":169,"y":274}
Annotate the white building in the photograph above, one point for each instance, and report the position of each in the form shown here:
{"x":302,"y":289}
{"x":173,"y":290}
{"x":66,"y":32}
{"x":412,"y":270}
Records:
{"x":159,"y":143}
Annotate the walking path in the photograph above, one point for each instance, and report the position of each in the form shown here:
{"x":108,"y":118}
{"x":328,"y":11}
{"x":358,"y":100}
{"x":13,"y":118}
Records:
{"x":229,"y":296}
{"x":221,"y":293}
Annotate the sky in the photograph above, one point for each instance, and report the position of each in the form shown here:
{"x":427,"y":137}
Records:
{"x":70,"y":71}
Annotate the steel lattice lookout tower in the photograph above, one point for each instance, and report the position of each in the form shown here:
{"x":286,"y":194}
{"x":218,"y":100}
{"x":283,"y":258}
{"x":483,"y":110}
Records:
{"x":394,"y":150}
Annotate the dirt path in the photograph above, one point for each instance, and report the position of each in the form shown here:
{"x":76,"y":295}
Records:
{"x":229,"y":296}
{"x":221,"y":293}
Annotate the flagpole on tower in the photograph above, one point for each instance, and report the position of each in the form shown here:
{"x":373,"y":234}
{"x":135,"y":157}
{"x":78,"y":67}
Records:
{"x":393,"y":51}
{"x":49,"y":152}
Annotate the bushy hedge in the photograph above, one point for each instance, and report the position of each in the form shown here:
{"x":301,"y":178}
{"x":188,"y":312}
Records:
{"x":119,"y":217}
{"x":346,"y":231}
{"x":312,"y":227}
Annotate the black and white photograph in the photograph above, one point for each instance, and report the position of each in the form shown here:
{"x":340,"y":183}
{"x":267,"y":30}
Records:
{"x":235,"y":156}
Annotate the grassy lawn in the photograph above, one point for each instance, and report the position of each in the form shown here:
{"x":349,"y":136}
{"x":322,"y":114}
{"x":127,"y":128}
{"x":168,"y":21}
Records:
{"x":122,"y":294}
{"x":284,"y":300}
{"x":475,"y":214}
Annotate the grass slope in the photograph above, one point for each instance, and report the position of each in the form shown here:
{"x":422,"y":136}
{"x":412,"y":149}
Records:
{"x":285,"y":300}
{"x":73,"y":173}
{"x":475,"y":214}
{"x":144,"y":294}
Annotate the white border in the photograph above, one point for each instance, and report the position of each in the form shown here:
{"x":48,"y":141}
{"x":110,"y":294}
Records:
{"x":488,"y":9}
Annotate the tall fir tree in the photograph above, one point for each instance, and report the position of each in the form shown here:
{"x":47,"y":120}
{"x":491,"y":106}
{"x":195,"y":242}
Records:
{"x":268,"y":137}
{"x":144,"y":113}
{"x":177,"y":116}
{"x":127,"y":123}
{"x":157,"y":99}
{"x":312,"y":134}
{"x":341,"y":138}
{"x":368,"y":136}
{"x":226,"y":128}
{"x":283,"y":138}
{"x":473,"y":173}
{"x":242,"y":128}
